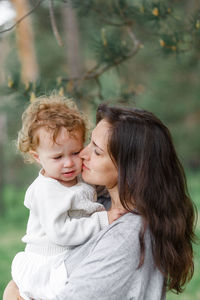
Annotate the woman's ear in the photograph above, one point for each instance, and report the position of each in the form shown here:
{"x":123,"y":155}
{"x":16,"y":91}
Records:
{"x":35,"y":155}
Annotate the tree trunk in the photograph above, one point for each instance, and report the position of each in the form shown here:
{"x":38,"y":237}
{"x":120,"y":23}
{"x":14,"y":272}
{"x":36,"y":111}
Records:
{"x":71,"y":29}
{"x":25,"y":43}
{"x":4,"y":51}
{"x":74,"y":57}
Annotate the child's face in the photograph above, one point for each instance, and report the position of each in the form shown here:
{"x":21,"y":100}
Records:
{"x":60,"y":160}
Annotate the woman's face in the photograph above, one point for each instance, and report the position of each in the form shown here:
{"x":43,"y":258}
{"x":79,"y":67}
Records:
{"x":98,"y":168}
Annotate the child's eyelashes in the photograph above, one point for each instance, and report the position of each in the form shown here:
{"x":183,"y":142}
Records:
{"x":76,"y":153}
{"x":57,"y":157}
{"x":73,"y":154}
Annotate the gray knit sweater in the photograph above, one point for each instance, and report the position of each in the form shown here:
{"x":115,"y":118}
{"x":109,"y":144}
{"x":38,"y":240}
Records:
{"x":106,"y":267}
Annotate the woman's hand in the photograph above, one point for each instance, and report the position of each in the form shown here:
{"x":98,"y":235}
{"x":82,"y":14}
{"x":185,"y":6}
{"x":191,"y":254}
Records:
{"x":115,"y":213}
{"x":11,"y":292}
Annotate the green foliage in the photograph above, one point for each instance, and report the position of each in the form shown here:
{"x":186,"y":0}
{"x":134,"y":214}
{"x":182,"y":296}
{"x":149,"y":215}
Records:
{"x":151,"y":21}
{"x":195,"y":31}
{"x":111,"y":45}
{"x":10,"y":244}
{"x":171,"y":42}
{"x":156,"y":22}
{"x":14,"y":199}
{"x":192,"y":290}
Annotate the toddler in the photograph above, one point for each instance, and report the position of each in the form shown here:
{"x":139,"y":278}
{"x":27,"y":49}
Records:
{"x":63,"y":211}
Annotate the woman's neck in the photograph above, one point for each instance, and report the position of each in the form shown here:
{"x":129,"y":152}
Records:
{"x":115,"y":201}
{"x":114,"y":195}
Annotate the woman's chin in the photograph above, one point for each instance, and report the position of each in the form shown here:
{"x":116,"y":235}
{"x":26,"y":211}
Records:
{"x":88,"y":179}
{"x":85,"y":177}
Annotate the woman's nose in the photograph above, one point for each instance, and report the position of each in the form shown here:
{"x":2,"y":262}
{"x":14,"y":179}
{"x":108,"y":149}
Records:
{"x":84,"y":153}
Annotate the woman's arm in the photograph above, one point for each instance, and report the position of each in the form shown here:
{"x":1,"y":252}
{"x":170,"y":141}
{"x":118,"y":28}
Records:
{"x":11,"y":292}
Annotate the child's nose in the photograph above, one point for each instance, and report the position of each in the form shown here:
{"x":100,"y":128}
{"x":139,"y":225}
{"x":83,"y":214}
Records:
{"x":68,"y":162}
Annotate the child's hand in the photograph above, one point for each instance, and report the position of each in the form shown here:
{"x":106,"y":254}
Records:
{"x":115,"y":213}
{"x":11,"y":292}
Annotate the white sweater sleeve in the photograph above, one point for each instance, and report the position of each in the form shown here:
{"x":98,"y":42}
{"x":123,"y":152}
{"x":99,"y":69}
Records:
{"x":53,"y":205}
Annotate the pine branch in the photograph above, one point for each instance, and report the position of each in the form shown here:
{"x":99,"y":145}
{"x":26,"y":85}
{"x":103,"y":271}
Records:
{"x":22,"y":18}
{"x":100,"y":88}
{"x":108,"y":22}
{"x":53,"y":23}
{"x":98,"y":70}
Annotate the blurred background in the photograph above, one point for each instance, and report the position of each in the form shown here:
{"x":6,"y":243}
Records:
{"x":137,"y":53}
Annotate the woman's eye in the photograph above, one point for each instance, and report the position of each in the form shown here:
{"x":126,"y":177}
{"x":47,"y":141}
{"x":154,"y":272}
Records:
{"x":97,"y":153}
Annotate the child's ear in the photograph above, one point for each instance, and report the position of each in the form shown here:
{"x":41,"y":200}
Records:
{"x":35,"y":155}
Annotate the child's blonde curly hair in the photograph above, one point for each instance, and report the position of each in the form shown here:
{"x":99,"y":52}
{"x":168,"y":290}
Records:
{"x":53,"y":113}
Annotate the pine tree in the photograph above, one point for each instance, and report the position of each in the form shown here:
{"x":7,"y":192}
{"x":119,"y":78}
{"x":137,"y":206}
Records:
{"x":121,"y":28}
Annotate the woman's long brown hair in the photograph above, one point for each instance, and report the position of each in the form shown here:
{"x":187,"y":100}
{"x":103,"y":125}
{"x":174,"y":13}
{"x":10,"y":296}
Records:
{"x":152,"y":178}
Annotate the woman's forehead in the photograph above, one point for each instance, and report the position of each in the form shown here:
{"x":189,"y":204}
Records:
{"x":100,"y":134}
{"x":101,"y":129}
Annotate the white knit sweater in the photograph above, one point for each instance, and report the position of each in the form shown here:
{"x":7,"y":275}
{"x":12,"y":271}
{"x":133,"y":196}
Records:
{"x":61,"y":217}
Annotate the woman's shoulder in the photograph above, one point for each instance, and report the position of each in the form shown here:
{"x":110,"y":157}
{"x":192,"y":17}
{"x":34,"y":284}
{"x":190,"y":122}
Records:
{"x":121,"y":233}
{"x":130,"y":222}
{"x":130,"y":218}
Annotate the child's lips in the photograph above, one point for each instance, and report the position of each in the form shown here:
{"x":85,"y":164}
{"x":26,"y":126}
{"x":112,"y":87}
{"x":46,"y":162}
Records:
{"x":68,"y":174}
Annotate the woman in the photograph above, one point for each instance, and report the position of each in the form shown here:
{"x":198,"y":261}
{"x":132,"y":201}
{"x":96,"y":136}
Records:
{"x":149,"y":249}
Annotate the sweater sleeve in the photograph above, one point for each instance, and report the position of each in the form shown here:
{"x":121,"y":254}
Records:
{"x":53,"y":205}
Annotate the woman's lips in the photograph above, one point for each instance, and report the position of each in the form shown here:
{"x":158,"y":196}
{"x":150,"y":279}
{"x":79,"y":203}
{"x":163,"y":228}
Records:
{"x":84,"y":167}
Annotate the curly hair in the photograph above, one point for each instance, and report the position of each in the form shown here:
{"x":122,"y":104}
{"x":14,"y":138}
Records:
{"x":53,"y":113}
{"x":152,"y":179}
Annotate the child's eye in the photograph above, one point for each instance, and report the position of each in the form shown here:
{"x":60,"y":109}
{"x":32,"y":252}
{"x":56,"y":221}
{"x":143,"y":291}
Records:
{"x":57,"y":157}
{"x":76,"y":153}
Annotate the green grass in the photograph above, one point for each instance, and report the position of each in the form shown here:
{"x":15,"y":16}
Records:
{"x":192,"y":290}
{"x":13,"y":224}
{"x":10,"y":244}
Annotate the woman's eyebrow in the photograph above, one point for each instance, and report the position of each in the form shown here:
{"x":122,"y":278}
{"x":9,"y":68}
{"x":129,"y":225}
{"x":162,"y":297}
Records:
{"x":97,"y":146}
